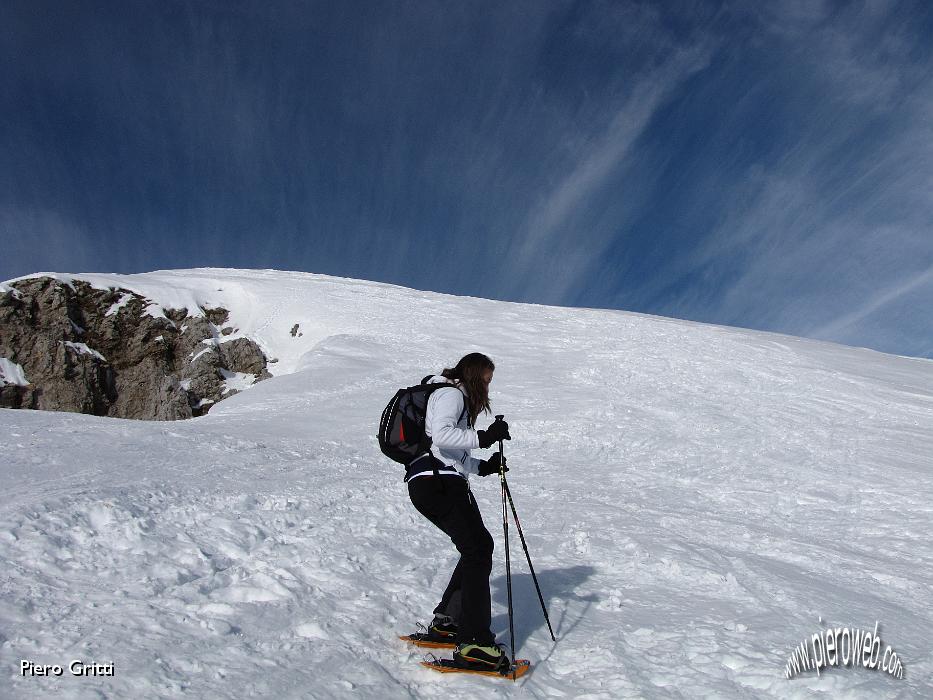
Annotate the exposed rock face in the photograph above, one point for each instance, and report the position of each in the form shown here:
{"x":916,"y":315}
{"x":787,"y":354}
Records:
{"x":97,"y":351}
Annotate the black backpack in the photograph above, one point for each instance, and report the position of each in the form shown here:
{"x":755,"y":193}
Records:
{"x":401,"y":430}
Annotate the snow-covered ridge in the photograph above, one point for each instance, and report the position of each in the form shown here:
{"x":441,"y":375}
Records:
{"x":696,"y":501}
{"x":289,"y":313}
{"x":264,"y":305}
{"x":103,"y":349}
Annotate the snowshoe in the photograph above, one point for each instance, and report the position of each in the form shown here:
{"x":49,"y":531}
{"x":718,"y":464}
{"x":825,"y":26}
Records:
{"x":510,"y":671}
{"x":440,"y":634}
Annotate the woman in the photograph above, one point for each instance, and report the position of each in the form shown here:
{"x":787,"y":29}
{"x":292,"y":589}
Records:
{"x":439,"y":488}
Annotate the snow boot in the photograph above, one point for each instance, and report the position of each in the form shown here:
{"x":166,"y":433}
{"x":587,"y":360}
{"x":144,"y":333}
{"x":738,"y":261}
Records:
{"x":488,"y":657}
{"x":443,"y":628}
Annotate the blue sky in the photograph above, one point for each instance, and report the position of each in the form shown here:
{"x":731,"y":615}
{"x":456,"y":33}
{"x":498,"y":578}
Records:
{"x":766,"y":165}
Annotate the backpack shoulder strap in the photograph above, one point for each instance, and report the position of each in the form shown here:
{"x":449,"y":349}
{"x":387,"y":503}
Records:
{"x":449,"y":385}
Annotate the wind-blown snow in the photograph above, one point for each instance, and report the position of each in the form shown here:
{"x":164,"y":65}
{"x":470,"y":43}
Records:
{"x":695,"y":499}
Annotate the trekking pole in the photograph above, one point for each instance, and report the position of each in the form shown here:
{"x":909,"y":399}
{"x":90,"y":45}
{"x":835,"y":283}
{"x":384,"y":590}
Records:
{"x":508,"y":565}
{"x":521,"y":534}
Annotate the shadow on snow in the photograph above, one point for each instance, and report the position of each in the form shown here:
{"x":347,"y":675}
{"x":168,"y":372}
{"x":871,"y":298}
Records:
{"x":558,"y":587}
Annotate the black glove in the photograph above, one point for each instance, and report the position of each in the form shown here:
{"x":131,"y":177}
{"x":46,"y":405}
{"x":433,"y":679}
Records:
{"x":491,"y":465}
{"x":495,"y":432}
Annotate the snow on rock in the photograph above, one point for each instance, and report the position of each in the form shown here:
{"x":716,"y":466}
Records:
{"x":12,"y":373}
{"x":7,"y":289}
{"x":61,"y":333}
{"x":203,"y":351}
{"x":119,"y":304}
{"x":696,"y":501}
{"x":154,"y":286}
{"x":264,"y":304}
{"x":237,"y":381}
{"x":82,"y":348}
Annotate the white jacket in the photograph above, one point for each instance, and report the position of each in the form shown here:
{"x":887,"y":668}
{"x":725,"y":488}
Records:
{"x":447,"y":424}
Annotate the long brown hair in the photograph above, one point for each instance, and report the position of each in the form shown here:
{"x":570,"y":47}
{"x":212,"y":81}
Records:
{"x":469,"y":372}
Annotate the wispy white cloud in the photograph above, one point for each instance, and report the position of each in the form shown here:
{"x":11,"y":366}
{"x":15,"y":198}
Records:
{"x":523,"y":150}
{"x":548,"y":230}
{"x":838,"y":227}
{"x":879,"y":300}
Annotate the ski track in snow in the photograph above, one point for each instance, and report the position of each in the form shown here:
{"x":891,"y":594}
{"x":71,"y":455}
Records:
{"x":694,"y":499}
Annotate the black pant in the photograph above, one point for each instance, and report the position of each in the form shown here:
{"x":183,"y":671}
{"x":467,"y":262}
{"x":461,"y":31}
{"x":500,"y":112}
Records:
{"x":447,"y":502}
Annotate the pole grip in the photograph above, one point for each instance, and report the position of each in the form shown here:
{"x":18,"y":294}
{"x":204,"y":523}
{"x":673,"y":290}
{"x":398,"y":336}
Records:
{"x":501,"y":463}
{"x":501,"y":453}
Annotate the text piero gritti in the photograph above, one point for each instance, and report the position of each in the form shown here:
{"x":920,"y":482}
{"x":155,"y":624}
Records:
{"x":76,"y":667}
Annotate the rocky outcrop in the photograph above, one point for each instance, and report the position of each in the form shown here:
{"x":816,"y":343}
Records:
{"x":99,"y":351}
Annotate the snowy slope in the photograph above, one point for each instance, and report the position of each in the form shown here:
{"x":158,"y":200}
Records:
{"x":695,"y":499}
